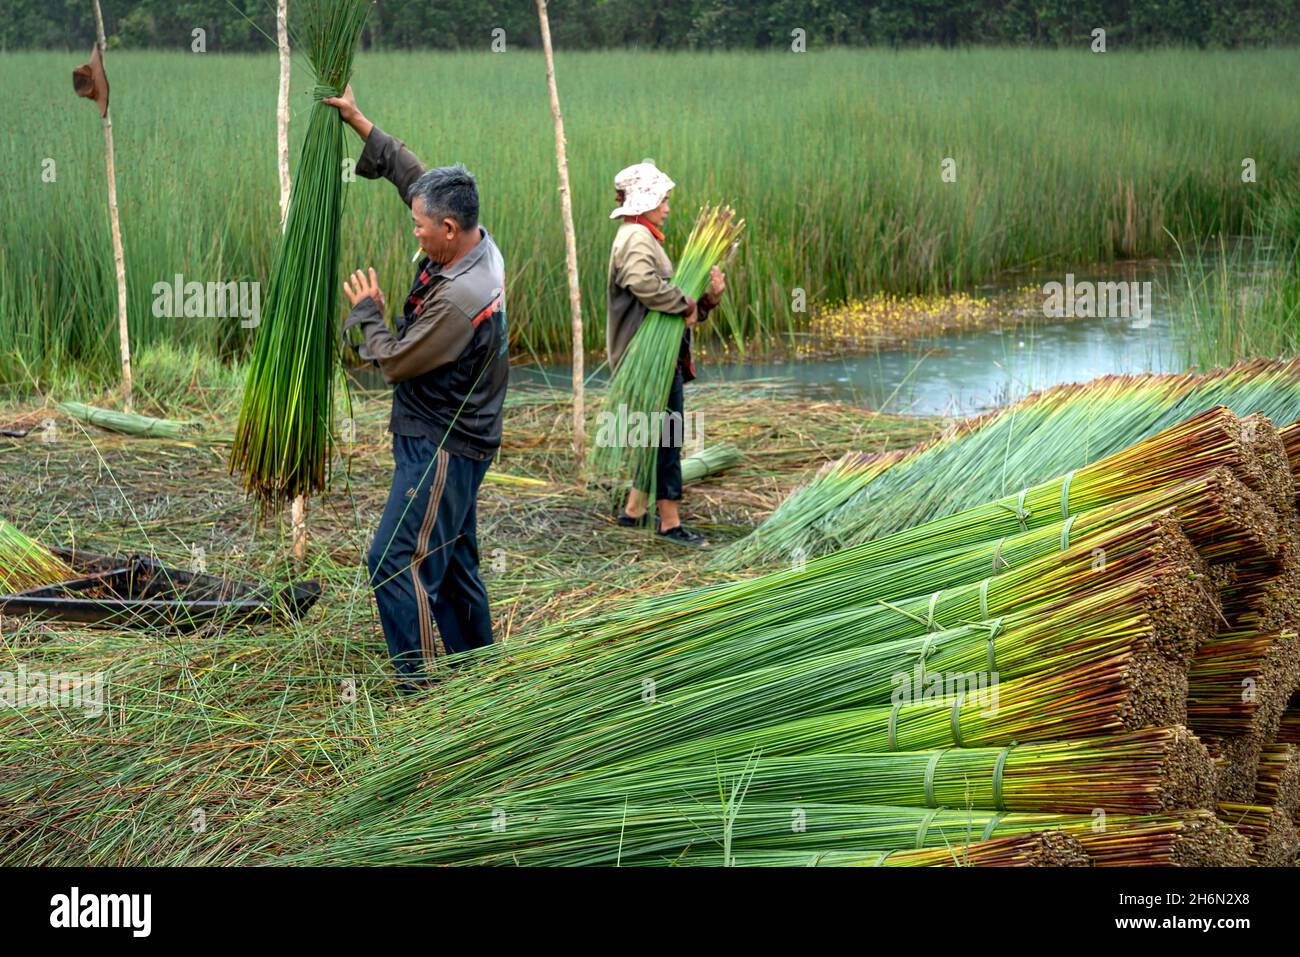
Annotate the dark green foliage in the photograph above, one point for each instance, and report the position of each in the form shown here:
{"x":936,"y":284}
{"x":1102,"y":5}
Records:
{"x":239,"y":25}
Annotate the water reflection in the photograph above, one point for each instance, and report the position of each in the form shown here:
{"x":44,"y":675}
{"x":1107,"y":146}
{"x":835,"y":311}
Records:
{"x":968,"y":373}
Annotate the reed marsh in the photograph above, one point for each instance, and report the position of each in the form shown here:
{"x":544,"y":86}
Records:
{"x":835,"y":157}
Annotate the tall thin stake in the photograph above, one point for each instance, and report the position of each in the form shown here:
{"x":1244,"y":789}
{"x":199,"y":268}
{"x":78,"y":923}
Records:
{"x":119,"y":260}
{"x":282,"y":105}
{"x":570,"y":242}
{"x":298,"y":511}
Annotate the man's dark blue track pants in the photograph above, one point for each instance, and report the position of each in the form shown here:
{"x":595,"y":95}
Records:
{"x":424,"y":562}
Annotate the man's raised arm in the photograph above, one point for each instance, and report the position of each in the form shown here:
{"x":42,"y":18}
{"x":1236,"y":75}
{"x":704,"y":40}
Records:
{"x":383,"y":155}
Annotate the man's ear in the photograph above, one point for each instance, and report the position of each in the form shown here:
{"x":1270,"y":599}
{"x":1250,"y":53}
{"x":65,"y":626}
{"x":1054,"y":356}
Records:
{"x":452,"y":227}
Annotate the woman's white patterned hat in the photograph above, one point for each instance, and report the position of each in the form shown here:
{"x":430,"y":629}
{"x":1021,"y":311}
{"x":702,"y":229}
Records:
{"x":644,"y":187}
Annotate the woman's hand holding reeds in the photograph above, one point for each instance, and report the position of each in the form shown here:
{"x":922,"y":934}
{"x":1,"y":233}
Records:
{"x":692,"y":315}
{"x":717,"y":284}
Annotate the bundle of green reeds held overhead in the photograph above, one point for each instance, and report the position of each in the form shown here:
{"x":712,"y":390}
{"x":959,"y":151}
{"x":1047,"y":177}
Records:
{"x":283,"y":440}
{"x":632,"y":416}
{"x":26,"y":563}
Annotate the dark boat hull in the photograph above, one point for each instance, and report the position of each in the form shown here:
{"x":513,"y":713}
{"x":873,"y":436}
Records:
{"x":138,"y":592}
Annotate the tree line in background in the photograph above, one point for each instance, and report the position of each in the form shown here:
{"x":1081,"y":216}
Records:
{"x":249,"y":25}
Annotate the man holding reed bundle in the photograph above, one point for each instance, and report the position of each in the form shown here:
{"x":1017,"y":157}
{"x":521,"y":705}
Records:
{"x":449,"y":366}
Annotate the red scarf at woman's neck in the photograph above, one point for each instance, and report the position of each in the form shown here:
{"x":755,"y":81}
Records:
{"x":654,"y":230}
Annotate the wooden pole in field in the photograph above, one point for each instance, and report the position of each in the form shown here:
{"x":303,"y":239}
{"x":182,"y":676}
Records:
{"x":119,"y":260}
{"x":298,"y":511}
{"x":282,"y":105}
{"x":570,"y":242}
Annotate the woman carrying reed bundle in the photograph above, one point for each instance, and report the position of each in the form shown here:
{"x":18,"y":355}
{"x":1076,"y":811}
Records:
{"x":640,"y":275}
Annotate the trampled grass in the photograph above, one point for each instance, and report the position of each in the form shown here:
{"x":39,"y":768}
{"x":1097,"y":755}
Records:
{"x":216,"y":746}
{"x":834,"y":157}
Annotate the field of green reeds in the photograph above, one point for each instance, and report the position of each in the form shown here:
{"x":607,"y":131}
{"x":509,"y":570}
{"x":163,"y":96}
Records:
{"x":1225,"y":320}
{"x":835,"y":158}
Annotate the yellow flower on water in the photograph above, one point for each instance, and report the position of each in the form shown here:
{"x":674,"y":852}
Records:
{"x":888,"y":318}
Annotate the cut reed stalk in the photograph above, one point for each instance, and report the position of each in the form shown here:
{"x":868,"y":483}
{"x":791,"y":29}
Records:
{"x":710,"y":461}
{"x":125,"y":422}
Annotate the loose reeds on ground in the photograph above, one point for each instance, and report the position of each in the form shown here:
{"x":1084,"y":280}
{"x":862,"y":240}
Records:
{"x":1091,"y":650}
{"x":256,"y":729}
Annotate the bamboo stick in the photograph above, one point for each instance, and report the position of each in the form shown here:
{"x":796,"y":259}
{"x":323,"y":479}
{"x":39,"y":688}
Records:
{"x":298,"y":511}
{"x":282,"y":106}
{"x":570,"y":243}
{"x":119,"y":259}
